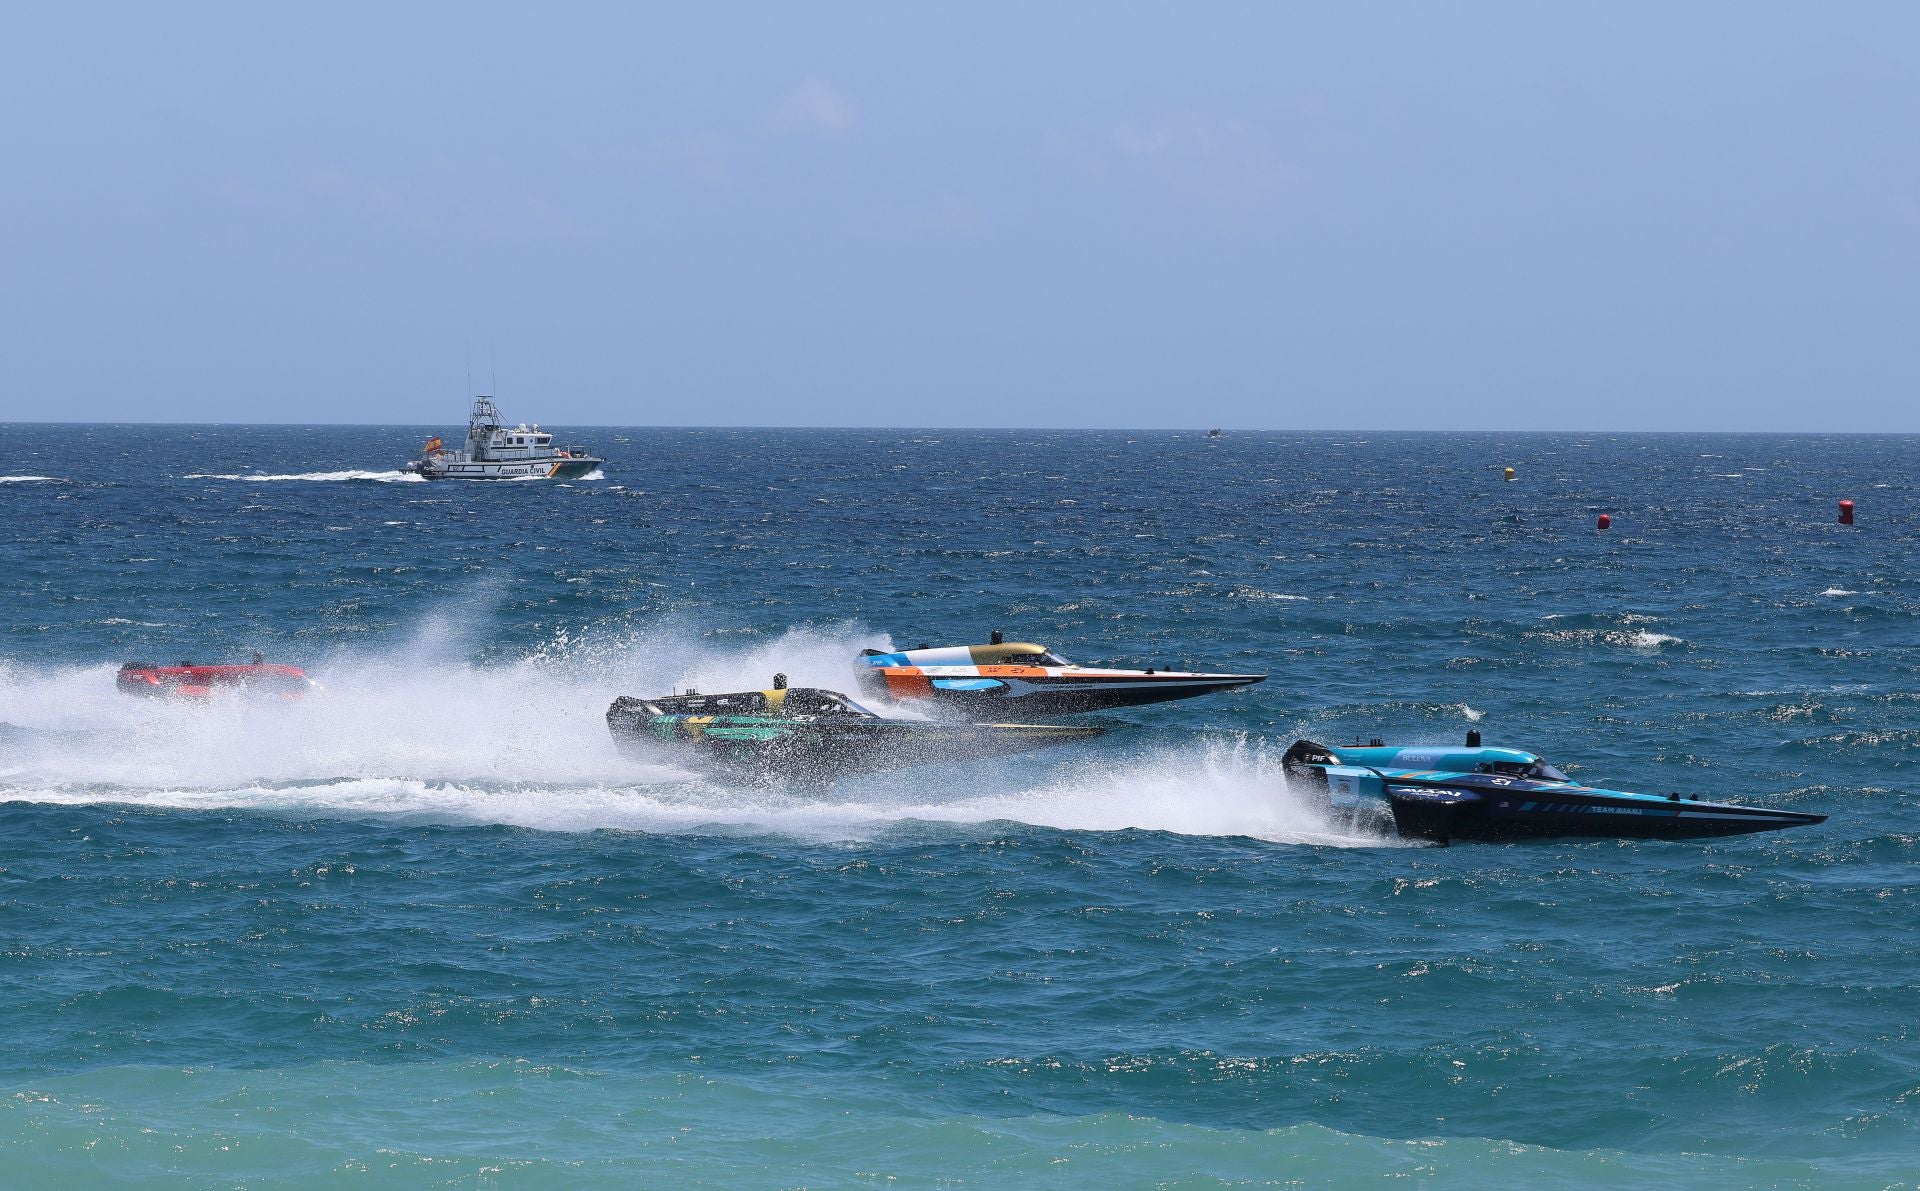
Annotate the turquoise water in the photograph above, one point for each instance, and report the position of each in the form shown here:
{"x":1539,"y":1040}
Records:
{"x":429,"y":927}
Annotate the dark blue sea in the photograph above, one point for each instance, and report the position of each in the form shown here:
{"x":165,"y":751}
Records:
{"x":427,"y":927}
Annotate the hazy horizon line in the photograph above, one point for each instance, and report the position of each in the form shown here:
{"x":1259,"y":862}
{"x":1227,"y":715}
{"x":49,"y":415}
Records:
{"x":585,"y":427}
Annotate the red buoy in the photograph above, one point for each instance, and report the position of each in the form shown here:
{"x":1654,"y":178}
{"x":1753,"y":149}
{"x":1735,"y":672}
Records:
{"x":1605,"y":522}
{"x":1846,"y":512}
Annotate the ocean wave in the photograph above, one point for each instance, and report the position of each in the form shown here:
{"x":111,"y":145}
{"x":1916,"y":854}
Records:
{"x":480,"y":1121}
{"x":1388,"y":711}
{"x":1902,"y":740}
{"x":1598,"y":620}
{"x":1638,"y":639}
{"x":28,"y":480}
{"x":378,"y":477}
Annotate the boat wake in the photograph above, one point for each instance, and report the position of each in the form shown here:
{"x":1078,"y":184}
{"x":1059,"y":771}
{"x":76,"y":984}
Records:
{"x":377,"y":477}
{"x":524,"y":743}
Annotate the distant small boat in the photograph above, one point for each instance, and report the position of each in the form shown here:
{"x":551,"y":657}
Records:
{"x":1215,"y":434}
{"x":188,"y":681}
{"x":1441,"y":794}
{"x":496,"y":451}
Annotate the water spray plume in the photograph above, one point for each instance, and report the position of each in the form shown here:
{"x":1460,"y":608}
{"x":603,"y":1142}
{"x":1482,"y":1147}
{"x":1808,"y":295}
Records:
{"x":420,"y":730}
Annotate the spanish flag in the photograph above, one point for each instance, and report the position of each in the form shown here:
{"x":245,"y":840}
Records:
{"x":433,"y":444}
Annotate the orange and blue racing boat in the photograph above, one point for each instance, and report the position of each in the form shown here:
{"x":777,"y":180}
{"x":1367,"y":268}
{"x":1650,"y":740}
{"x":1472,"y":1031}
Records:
{"x":809,"y":734}
{"x":1442,"y":794}
{"x":1026,"y":679}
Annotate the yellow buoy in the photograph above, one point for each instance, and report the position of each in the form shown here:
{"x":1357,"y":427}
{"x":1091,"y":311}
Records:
{"x":1507,"y":474}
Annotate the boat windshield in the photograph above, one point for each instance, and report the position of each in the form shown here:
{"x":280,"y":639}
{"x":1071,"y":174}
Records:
{"x":823,"y":703}
{"x":1537,"y":770}
{"x":1045,"y":657}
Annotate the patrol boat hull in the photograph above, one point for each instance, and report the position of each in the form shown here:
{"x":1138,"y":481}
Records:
{"x":454,"y":468}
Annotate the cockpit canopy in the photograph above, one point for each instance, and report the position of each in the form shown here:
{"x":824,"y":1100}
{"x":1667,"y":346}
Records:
{"x":1535,"y":770}
{"x":796,"y":701}
{"x":808,"y":700}
{"x":1500,"y":762}
{"x":999,"y":653}
{"x":1018,"y":653}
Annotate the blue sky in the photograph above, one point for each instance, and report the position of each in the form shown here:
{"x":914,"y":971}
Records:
{"x":1333,"y":216}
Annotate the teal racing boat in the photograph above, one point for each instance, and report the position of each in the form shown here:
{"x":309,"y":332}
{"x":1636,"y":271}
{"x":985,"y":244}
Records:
{"x":808,"y":734}
{"x":1441,"y":794}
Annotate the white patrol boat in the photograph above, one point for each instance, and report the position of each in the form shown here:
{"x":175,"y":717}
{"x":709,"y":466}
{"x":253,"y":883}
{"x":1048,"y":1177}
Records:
{"x":499,"y":452}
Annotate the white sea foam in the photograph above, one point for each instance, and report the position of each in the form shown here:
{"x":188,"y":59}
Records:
{"x":1636,"y":639}
{"x":379,"y":477}
{"x":409,"y":732}
{"x":1838,"y":591}
{"x":1646,"y":640}
{"x":27,"y":480}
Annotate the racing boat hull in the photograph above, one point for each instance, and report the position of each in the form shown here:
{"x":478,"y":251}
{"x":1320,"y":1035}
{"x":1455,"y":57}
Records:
{"x":1475,"y":793}
{"x":1053,"y":694}
{"x":1445,"y":813}
{"x":756,"y":734}
{"x":188,"y":681}
{"x":1022,"y":678}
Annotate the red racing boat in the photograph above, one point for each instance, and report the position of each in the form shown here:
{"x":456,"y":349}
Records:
{"x":188,"y":681}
